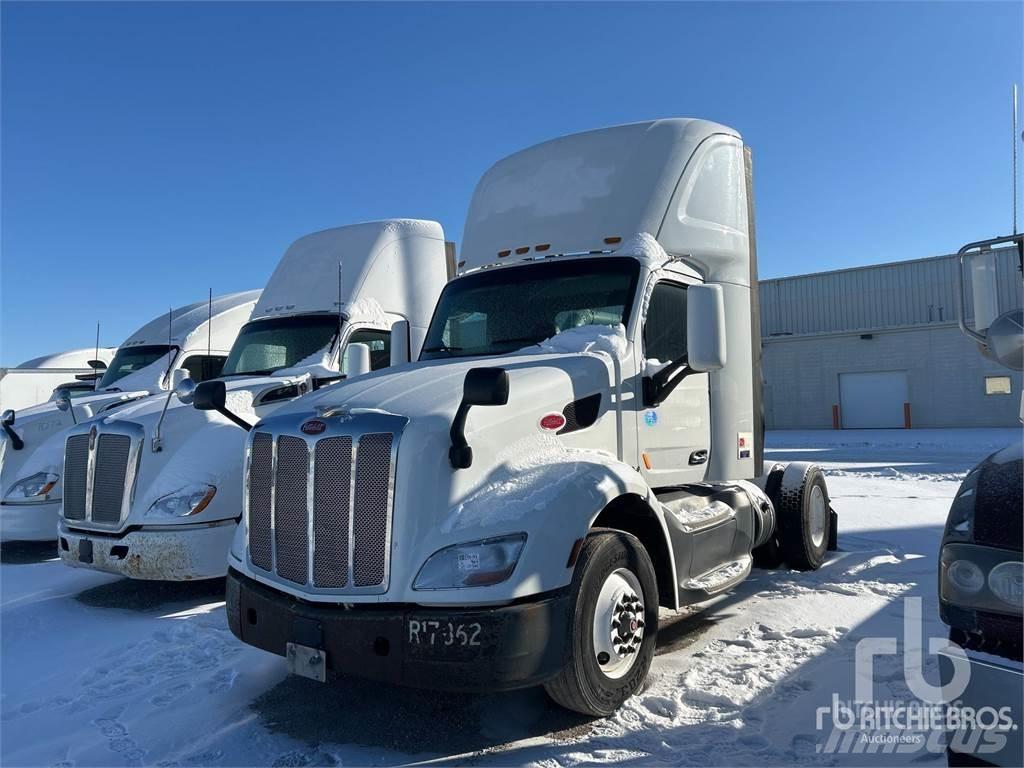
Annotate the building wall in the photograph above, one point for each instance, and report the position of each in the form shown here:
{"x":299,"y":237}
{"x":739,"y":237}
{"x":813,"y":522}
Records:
{"x":945,"y":372}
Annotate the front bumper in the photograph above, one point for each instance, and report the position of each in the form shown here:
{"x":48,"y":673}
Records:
{"x":515,"y":646}
{"x":29,"y":522}
{"x":167,"y":553}
{"x":994,"y":682}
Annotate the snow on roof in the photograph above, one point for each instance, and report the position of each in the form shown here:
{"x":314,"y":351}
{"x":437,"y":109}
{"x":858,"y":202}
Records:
{"x":186,"y":321}
{"x":73,"y":358}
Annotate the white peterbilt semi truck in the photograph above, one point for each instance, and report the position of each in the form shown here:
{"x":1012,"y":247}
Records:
{"x":153,"y":491}
{"x":578,"y":444}
{"x":188,"y":341}
{"x":981,"y":568}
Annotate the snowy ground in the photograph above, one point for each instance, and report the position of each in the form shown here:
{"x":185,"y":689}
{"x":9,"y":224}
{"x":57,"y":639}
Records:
{"x":98,"y":670}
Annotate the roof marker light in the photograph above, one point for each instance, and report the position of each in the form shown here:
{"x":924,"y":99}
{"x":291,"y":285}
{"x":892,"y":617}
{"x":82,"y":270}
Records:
{"x":612,"y":240}
{"x":503,"y":254}
{"x":523,"y":249}
{"x":542,"y":247}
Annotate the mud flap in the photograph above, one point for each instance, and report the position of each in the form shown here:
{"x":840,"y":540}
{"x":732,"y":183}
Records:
{"x":833,"y":530}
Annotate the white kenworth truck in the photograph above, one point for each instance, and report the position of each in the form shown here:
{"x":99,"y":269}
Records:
{"x":578,"y":444}
{"x":154,"y":490}
{"x":188,"y":341}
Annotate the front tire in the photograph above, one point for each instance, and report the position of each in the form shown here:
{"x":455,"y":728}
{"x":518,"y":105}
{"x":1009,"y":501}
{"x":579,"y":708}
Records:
{"x":613,"y":628}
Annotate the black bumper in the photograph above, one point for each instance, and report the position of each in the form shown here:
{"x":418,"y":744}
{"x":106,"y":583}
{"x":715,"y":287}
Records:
{"x":515,"y":646}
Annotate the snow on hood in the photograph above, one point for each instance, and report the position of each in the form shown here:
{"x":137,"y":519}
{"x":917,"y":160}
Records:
{"x":589,"y":339}
{"x":642,"y":245}
{"x":530,"y":475}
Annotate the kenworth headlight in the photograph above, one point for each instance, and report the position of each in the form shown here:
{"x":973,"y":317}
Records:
{"x":183,"y":502}
{"x":472,"y":564}
{"x":33,"y":488}
{"x":981,"y":578}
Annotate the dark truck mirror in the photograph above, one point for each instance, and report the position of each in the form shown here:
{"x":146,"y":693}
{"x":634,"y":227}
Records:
{"x":482,"y":386}
{"x":7,"y":420}
{"x":212,"y":396}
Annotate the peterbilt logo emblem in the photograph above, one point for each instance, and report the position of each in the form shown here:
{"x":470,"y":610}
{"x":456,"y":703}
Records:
{"x":313,"y":427}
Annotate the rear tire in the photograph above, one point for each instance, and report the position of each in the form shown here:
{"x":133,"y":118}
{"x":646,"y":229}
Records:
{"x":803,"y":516}
{"x":613,"y":628}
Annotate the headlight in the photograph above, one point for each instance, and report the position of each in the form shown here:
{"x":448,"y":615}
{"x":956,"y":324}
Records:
{"x":1007,"y":583}
{"x":32,"y":487}
{"x":472,"y":564}
{"x":183,"y":502}
{"x":966,"y":576}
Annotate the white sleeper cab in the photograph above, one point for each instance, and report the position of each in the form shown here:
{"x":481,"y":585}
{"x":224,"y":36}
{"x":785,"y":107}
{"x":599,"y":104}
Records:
{"x":153,"y":490}
{"x":189,"y":341}
{"x":578,"y":444}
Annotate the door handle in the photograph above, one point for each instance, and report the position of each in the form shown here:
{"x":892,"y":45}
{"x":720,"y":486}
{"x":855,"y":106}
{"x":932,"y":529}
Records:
{"x":698,"y":457}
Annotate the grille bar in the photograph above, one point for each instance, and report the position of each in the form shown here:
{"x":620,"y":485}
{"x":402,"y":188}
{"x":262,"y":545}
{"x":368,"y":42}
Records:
{"x":370,"y":522}
{"x":291,"y":516}
{"x":260,"y":472}
{"x":332,"y":489}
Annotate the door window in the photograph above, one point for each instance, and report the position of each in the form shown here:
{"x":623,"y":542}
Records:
{"x":665,"y":329}
{"x":204,"y":367}
{"x":379,"y":343}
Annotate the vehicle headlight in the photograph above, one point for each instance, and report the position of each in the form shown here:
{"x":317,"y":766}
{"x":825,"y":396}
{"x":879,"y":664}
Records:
{"x":471,"y":564}
{"x":966,"y":576}
{"x":1007,"y":582}
{"x":33,"y":486}
{"x":183,"y":502}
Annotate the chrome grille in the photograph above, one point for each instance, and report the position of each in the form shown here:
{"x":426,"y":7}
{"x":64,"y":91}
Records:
{"x":319,"y":508}
{"x":76,"y":468}
{"x":111,"y":466}
{"x":332,"y":483}
{"x":260,"y":471}
{"x":370,"y":524}
{"x":291,"y":515}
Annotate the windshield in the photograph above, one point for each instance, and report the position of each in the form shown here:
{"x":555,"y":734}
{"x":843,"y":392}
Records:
{"x":132,"y":359}
{"x":264,"y":346}
{"x":501,"y":310}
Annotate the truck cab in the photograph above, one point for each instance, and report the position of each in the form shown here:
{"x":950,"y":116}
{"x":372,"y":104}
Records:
{"x":157,"y":484}
{"x":578,"y":444}
{"x":188,"y":341}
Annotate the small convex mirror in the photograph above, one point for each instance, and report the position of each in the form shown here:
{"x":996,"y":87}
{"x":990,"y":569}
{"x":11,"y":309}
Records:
{"x":184,"y":390}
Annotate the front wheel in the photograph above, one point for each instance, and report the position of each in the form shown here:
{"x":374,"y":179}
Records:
{"x":613,"y":628}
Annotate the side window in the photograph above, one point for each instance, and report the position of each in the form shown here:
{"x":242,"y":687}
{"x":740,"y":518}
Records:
{"x":665,"y":328}
{"x":379,"y":343}
{"x":203,"y":367}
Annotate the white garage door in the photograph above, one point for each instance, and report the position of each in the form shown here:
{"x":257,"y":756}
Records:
{"x":872,"y":400}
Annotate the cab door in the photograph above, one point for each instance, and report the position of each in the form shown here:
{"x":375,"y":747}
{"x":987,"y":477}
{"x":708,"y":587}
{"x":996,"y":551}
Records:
{"x":673,"y":437}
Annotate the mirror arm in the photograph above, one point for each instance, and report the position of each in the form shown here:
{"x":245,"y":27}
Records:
{"x":460,"y":454}
{"x":659,"y":386}
{"x":234,"y":418}
{"x":16,"y":442}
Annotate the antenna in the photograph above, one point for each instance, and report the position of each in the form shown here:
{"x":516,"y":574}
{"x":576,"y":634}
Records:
{"x":341,"y":316}
{"x":170,"y":321}
{"x":1015,"y":158}
{"x":96,"y":377}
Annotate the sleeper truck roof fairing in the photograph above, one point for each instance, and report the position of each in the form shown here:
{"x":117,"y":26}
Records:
{"x":591,"y":191}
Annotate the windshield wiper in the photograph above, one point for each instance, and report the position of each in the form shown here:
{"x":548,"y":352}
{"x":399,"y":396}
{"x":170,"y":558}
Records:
{"x":442,"y":348}
{"x":267,"y":372}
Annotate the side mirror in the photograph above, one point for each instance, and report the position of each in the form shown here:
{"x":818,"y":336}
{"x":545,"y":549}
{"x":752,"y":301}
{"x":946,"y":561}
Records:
{"x":357,"y":360}
{"x":7,"y":422}
{"x":400,"y":343}
{"x":705,"y":328}
{"x":185,"y":390}
{"x":178,"y":375}
{"x":209,"y":396}
{"x":482,"y":386}
{"x":485,"y":386}
{"x":1004,"y":340}
{"x":213,"y":396}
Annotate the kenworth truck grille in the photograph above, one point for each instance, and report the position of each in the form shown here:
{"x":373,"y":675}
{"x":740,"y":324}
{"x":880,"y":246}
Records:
{"x":99,"y":473}
{"x":319,"y":505}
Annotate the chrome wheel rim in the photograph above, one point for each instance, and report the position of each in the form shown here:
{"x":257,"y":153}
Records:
{"x":618,"y":623}
{"x":819,"y":514}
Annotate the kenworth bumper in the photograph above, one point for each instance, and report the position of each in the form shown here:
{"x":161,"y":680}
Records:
{"x":454,"y":649}
{"x":35,"y":521}
{"x":167,"y":553}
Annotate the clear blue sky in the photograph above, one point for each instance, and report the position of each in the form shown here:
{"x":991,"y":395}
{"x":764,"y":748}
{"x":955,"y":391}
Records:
{"x":150,"y":151}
